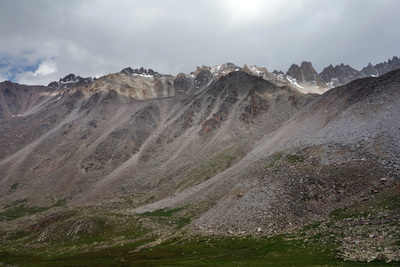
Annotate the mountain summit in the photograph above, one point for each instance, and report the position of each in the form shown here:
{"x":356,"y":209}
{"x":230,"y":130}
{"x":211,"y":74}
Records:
{"x":331,"y":76}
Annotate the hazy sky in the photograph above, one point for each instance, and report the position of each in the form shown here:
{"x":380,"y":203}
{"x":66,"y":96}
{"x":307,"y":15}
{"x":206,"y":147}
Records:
{"x":44,"y":40}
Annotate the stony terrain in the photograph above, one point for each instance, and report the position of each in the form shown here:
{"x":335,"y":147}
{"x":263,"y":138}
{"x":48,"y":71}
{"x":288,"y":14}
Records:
{"x":223,"y":150}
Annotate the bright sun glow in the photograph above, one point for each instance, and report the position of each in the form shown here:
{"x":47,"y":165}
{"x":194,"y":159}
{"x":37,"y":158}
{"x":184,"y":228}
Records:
{"x":243,"y":10}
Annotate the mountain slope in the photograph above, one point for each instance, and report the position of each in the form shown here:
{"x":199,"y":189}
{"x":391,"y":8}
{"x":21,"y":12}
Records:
{"x":102,"y":136}
{"x":334,"y":152}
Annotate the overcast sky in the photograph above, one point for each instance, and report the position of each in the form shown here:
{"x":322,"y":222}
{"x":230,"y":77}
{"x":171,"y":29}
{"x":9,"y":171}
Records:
{"x":44,"y":40}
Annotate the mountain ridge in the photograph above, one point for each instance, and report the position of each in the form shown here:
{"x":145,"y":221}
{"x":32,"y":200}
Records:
{"x":303,"y":78}
{"x":233,"y":151}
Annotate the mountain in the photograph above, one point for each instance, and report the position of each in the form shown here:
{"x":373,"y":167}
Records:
{"x":150,"y":125}
{"x":70,"y":81}
{"x":139,"y":156}
{"x":339,"y":75}
{"x":306,"y":79}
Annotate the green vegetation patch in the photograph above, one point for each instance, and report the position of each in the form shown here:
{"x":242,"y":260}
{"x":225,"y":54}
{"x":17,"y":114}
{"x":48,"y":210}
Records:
{"x":60,"y":203}
{"x":15,"y":212}
{"x":275,"y":158}
{"x":362,"y":209}
{"x":14,"y":186}
{"x":294,"y":158}
{"x":170,"y":217}
{"x":162,"y":212}
{"x":71,"y":232}
{"x":202,"y":251}
{"x":20,"y":209}
{"x":390,"y":202}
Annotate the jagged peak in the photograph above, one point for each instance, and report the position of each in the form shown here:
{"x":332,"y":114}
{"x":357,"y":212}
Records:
{"x":142,"y":72}
{"x":294,"y":65}
{"x":276,"y":72}
{"x":70,"y":77}
{"x":70,"y":80}
{"x":222,"y":69}
{"x":305,"y":64}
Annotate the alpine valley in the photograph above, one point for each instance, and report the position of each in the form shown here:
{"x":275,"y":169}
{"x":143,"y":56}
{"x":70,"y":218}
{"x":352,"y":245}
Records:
{"x":226,"y":165}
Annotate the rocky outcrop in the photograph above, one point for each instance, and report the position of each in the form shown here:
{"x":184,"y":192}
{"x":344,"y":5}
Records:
{"x":142,"y":71}
{"x":343,"y":74}
{"x":333,"y":76}
{"x":203,"y":78}
{"x":339,"y":75}
{"x":70,"y":81}
{"x":304,"y":73}
{"x":381,"y":68}
{"x":256,"y":107}
{"x":183,"y":83}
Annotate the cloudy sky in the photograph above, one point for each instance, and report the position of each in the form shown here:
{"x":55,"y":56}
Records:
{"x":44,"y":40}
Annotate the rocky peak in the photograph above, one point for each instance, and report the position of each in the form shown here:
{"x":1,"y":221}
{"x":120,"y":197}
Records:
{"x":370,"y":70}
{"x":339,"y":75}
{"x":305,"y":73}
{"x":224,"y":69}
{"x":141,"y":72}
{"x":70,"y":78}
{"x":246,"y":69}
{"x":203,"y":77}
{"x":182,"y":82}
{"x":278,"y":73}
{"x":69,"y":81}
{"x":381,"y":68}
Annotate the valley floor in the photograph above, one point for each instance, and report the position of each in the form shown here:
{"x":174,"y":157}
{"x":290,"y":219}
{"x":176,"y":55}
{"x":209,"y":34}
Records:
{"x":363,"y":234}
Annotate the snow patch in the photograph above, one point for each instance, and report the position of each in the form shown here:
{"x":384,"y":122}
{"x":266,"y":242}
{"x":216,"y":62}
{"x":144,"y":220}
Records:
{"x":67,"y":82}
{"x":210,"y":82}
{"x":293,"y":81}
{"x":256,"y":71}
{"x":216,"y":69}
{"x":142,"y":75}
{"x":332,"y":82}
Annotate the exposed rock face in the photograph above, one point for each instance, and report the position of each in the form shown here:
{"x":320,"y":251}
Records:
{"x":304,"y":73}
{"x":203,"y":78}
{"x":141,"y":71}
{"x":381,"y":68}
{"x":183,"y":82}
{"x":256,"y":107}
{"x":339,"y":75}
{"x":71,"y":81}
{"x":332,"y":76}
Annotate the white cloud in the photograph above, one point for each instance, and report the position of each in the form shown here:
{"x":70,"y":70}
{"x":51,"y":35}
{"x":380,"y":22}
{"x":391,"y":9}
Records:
{"x":3,"y":78}
{"x":45,"y":68}
{"x":44,"y":74}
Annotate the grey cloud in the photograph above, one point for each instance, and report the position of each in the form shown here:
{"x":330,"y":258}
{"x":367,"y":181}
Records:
{"x":98,"y":37}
